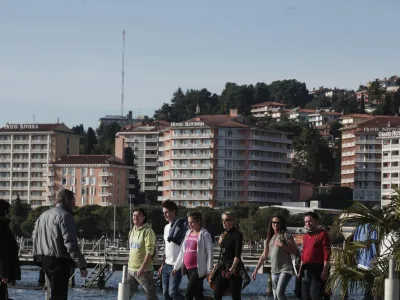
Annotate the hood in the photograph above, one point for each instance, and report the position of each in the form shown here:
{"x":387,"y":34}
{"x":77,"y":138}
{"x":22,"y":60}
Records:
{"x":144,"y":226}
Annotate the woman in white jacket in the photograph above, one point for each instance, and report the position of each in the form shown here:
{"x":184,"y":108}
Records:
{"x":196,"y":255}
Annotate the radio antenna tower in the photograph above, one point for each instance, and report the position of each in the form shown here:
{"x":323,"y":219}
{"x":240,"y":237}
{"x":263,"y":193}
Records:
{"x":123,"y":73}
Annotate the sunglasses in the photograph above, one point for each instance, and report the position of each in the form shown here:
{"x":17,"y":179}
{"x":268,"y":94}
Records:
{"x":276,"y":222}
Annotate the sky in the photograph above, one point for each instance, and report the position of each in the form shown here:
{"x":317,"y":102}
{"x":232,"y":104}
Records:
{"x":62,"y":59}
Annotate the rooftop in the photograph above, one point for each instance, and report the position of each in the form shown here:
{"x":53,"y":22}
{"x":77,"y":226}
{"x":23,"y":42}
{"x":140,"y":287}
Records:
{"x":145,"y":126}
{"x":89,"y":160}
{"x":269,"y":104}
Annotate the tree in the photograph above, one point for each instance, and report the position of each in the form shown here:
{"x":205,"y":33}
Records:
{"x":313,"y":160}
{"x":28,"y":225}
{"x":129,"y":159}
{"x":346,"y":276}
{"x":376,"y":92}
{"x":362,"y":105}
{"x":106,"y":138}
{"x":19,"y":213}
{"x":90,"y":141}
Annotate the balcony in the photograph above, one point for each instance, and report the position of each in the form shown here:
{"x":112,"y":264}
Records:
{"x":5,"y":178}
{"x":193,"y":136}
{"x":359,"y":169}
{"x":192,"y":156}
{"x":346,"y":145}
{"x":42,"y":160}
{"x":348,"y":162}
{"x":372,"y":160}
{"x":347,"y":171}
{"x":191,"y":187}
{"x":368,"y":142}
{"x":5,"y":141}
{"x":369,"y":151}
{"x":190,"y":176}
{"x":184,"y":198}
{"x":37,"y":188}
{"x":21,"y":141}
{"x":105,"y":184}
{"x":20,"y":178}
{"x":20,"y":151}
{"x":154,"y":148}
{"x":20,"y":187}
{"x":5,"y":169}
{"x":105,"y":194}
{"x":38,"y":141}
{"x":39,"y":151}
{"x":40,"y":198}
{"x":105,"y":174}
{"x":5,"y":150}
{"x":185,"y":167}
{"x":344,"y":154}
{"x":347,"y":180}
{"x":192,"y":146}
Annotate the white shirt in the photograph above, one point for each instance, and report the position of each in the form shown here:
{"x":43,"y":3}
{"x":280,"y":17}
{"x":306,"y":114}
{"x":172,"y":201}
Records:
{"x":171,"y":250}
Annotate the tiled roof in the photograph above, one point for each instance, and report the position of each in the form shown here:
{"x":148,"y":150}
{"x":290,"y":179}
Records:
{"x":301,"y":182}
{"x":88,"y":160}
{"x":268,"y":104}
{"x":333,"y":113}
{"x":380,"y":121}
{"x":212,"y":120}
{"x":357,"y":116}
{"x":305,"y":110}
{"x":55,"y":127}
{"x":146,"y":126}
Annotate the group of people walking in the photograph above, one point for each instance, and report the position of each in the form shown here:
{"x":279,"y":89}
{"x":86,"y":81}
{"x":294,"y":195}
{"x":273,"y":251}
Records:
{"x":188,"y":250}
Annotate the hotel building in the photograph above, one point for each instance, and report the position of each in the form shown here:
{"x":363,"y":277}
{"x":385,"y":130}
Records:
{"x":95,"y":179}
{"x":362,"y":157}
{"x":221,"y":160}
{"x":25,"y":149}
{"x":274,"y":110}
{"x":390,"y":137}
{"x":143,"y":139}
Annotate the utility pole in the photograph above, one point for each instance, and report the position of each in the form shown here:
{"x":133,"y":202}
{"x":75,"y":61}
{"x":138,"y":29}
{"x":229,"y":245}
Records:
{"x":123,"y":73}
{"x":115,"y":210}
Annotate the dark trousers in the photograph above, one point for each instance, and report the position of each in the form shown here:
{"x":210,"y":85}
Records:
{"x":233,"y":284}
{"x":58,"y":272}
{"x":194,"y":289}
{"x":311,"y":283}
{"x":3,"y":291}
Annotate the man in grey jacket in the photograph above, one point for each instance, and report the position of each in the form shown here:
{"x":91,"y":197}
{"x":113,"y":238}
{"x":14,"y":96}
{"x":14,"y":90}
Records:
{"x":55,"y":244}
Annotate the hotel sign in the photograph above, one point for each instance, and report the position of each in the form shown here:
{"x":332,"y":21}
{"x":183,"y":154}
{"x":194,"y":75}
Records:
{"x":21,"y":126}
{"x":380,"y":129}
{"x":389,"y":134}
{"x":188,"y":124}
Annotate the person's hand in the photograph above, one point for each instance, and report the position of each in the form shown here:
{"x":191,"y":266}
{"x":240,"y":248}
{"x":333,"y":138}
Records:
{"x":278,"y":243}
{"x":160,"y":271}
{"x":4,"y":280}
{"x":84,"y":273}
{"x":254,"y":275}
{"x":140,"y":272}
{"x":232,"y":270}
{"x":324,"y":275}
{"x":221,"y":237}
{"x":173,"y":273}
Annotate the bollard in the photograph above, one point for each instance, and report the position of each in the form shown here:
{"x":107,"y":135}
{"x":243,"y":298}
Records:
{"x":124,"y":286}
{"x":392,"y":283}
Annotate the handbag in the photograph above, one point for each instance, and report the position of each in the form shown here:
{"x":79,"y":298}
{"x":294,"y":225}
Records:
{"x":216,"y":270}
{"x":295,"y":258}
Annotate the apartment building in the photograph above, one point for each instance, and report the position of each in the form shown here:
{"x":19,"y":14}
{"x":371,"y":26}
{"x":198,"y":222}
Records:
{"x":323,"y":118}
{"x":390,"y":137}
{"x":25,"y":149}
{"x":120,"y":120}
{"x":143,"y":138}
{"x":274,"y":110}
{"x":95,"y":179}
{"x":301,"y":115}
{"x":222,"y":160}
{"x":362,"y":157}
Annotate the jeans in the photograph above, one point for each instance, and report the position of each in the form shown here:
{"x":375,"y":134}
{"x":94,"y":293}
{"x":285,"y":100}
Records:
{"x":311,"y":283}
{"x":146,"y":281}
{"x":170,"y":284}
{"x":280,"y":282}
{"x":194,"y":288}
{"x":58,"y":272}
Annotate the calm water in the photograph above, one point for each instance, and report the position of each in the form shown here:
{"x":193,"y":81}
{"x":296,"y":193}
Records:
{"x":256,"y":290}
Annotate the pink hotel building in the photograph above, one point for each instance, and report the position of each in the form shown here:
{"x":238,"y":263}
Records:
{"x":221,"y":160}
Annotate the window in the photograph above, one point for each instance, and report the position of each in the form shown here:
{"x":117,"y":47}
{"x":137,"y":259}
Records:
{"x":64,"y":171}
{"x":73,"y":189}
{"x":92,"y":191}
{"x":83,"y":191}
{"x":83,"y":200}
{"x":91,"y":199}
{"x":68,"y":141}
{"x":91,"y":172}
{"x":84,"y":171}
{"x":63,"y":181}
{"x":83,"y":181}
{"x":72,"y":171}
{"x":92,"y":180}
{"x":72,"y":180}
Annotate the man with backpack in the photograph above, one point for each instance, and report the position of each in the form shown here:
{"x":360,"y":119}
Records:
{"x":142,"y":243}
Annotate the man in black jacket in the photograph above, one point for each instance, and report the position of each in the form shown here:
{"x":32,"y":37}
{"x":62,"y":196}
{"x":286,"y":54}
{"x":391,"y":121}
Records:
{"x":10,"y":270}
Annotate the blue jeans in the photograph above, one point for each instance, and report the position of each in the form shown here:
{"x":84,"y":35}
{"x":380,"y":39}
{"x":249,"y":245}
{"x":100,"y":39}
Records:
{"x":280,"y":282}
{"x":170,"y":284}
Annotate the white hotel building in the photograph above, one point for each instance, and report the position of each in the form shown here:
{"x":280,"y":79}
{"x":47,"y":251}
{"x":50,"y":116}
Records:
{"x":25,"y":149}
{"x":221,"y":160}
{"x":390,"y":162}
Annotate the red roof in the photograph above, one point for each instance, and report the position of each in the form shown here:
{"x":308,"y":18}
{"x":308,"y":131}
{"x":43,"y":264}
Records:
{"x":357,"y":116}
{"x":333,"y":113}
{"x":268,"y":104}
{"x":88,"y":160}
{"x":301,"y":182}
{"x":381,"y":121}
{"x":150,"y":126}
{"x":305,"y":110}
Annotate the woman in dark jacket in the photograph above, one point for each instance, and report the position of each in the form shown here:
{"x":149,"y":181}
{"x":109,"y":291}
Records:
{"x":10,"y":270}
{"x":231,"y":243}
